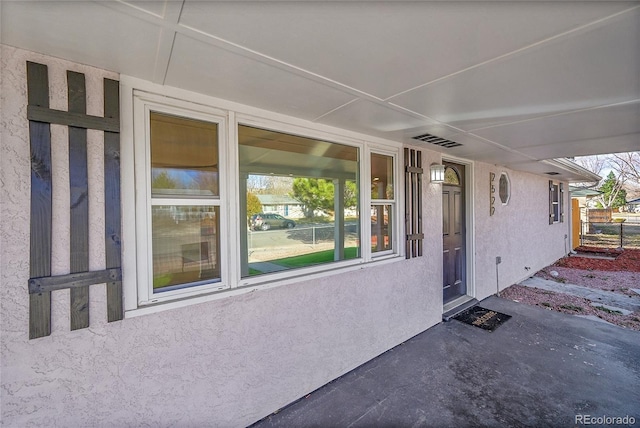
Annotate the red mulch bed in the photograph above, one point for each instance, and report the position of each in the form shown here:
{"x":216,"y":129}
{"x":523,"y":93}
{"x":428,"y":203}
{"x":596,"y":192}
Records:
{"x":621,"y":271}
{"x":627,"y":260}
{"x":568,"y":304}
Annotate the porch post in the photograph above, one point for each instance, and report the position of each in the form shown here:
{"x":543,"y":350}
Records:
{"x":244,"y":255}
{"x":338,"y":231}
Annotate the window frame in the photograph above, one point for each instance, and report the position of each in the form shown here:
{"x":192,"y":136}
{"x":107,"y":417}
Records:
{"x":137,"y":268}
{"x":291,"y":129}
{"x":394,"y":250}
{"x":556,"y":198}
{"x":143,"y":105}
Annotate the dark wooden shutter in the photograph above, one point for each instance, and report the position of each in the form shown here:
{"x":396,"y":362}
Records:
{"x":550,"y":202}
{"x":413,"y":202}
{"x":561,"y":202}
{"x":41,"y":283}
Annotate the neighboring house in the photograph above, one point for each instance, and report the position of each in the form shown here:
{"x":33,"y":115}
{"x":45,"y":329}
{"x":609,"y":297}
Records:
{"x":117,"y":312}
{"x":584,"y":196}
{"x":586,"y":200}
{"x":281,"y":204}
{"x":634,"y":205}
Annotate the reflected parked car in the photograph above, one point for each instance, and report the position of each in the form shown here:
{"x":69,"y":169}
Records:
{"x":266,"y":221}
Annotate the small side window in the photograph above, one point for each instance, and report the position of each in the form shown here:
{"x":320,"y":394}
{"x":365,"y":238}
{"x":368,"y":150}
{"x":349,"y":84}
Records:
{"x":382,"y":203}
{"x":504,"y":188}
{"x":556,"y":202}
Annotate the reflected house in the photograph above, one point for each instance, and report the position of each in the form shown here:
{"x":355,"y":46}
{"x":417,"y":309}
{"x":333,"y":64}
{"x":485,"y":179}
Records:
{"x":284,"y":205}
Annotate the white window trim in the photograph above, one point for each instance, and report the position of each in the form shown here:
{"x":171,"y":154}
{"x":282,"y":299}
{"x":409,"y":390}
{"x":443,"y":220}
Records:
{"x":395,"y":226}
{"x":143,"y":104}
{"x":201,"y":106}
{"x":287,"y":128}
{"x":555,"y":201}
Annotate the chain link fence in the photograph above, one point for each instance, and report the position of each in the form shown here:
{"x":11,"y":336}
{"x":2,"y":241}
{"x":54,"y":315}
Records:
{"x":610,"y":234}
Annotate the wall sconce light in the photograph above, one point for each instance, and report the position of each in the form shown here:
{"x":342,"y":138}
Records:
{"x":437,"y":173}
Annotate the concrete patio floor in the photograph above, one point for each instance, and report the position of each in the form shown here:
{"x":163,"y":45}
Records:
{"x":540,"y":368}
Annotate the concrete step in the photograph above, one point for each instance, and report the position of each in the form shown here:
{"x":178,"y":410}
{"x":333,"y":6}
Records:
{"x":611,"y":308}
{"x":447,"y":316}
{"x":631,"y":303}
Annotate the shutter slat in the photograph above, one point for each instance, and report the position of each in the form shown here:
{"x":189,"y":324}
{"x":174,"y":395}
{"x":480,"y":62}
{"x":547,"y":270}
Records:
{"x":550,"y":202}
{"x":112,"y":217}
{"x":41,"y":193}
{"x":79,"y":198}
{"x":413,"y":202}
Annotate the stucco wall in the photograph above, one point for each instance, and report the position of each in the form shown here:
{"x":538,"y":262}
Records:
{"x":227,"y":362}
{"x":518,"y":232}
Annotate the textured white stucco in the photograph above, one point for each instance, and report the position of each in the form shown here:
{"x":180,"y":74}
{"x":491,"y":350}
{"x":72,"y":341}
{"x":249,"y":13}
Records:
{"x":231,"y":361}
{"x":227,"y":362}
{"x":519,"y":232}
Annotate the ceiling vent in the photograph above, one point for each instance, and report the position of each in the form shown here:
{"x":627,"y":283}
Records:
{"x":432,"y":139}
{"x":552,"y":173}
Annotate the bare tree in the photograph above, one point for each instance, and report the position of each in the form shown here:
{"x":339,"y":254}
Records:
{"x":595,"y":164}
{"x":269,"y":184}
{"x":257,"y":183}
{"x":627,"y":165}
{"x":280,"y":185}
{"x":626,"y":168}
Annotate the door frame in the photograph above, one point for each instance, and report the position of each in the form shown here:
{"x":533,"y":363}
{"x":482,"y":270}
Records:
{"x":469,"y":205}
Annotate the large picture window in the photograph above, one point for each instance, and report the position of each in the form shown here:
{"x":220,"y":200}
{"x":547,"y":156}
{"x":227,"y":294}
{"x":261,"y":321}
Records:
{"x":227,"y":201}
{"x":316,"y":219}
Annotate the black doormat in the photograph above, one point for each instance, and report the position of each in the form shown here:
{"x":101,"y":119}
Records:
{"x":484,"y":318}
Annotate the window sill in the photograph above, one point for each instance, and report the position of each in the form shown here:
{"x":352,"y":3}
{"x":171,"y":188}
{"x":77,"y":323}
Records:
{"x":264,"y":284}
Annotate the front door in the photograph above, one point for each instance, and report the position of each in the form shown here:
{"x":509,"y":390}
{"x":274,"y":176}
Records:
{"x":454,"y":278}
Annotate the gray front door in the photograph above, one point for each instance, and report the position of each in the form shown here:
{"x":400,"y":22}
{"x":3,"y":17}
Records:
{"x":454,"y":275}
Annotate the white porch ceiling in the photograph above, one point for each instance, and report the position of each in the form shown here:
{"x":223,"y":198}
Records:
{"x":514,"y":82}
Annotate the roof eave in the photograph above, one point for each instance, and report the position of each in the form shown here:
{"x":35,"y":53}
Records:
{"x":577,"y":173}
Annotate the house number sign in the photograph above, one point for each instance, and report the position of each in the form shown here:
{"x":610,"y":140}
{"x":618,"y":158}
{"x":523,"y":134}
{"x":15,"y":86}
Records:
{"x":492,"y":193}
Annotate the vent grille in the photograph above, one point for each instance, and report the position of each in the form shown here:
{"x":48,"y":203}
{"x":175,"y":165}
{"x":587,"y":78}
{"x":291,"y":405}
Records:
{"x":432,"y":139}
{"x":552,"y":173}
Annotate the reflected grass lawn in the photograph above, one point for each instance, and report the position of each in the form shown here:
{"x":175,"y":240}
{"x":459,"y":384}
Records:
{"x":314,"y":258}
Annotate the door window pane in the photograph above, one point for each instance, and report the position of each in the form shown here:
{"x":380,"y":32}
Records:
{"x":451,"y":177}
{"x":184,"y":157}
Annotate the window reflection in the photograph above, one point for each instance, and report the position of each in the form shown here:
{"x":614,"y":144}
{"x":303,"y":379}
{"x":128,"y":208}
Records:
{"x":184,"y":156}
{"x":186,"y":247}
{"x":380,"y":230}
{"x":381,"y":176}
{"x":301,"y":201}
